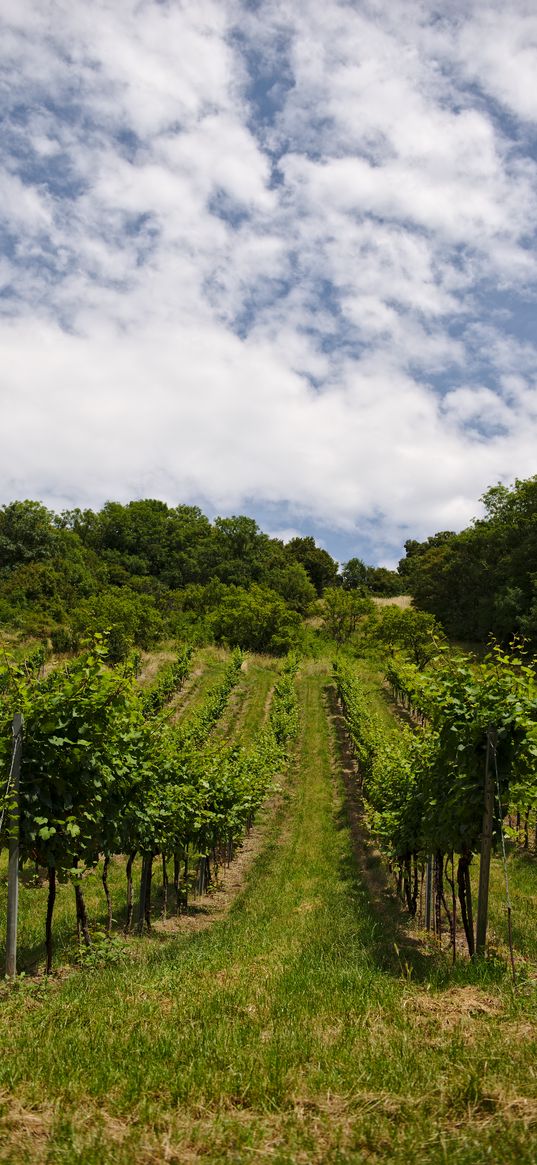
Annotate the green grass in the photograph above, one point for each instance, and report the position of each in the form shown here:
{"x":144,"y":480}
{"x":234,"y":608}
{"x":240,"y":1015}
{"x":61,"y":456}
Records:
{"x":522,"y":879}
{"x":292,"y":1031}
{"x":370,"y":669}
{"x":32,"y":911}
{"x":207,"y":668}
{"x":249,"y":701}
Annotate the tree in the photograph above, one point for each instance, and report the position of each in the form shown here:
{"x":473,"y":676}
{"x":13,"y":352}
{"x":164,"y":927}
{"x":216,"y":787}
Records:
{"x":126,"y":618}
{"x":188,"y":546}
{"x":354,"y":575}
{"x":417,"y":633}
{"x":482,"y":581}
{"x":256,"y":620}
{"x":291,"y":581}
{"x":381,"y":581}
{"x":343,"y":611}
{"x":27,"y":534}
{"x":321,"y":568}
{"x":239,"y":550}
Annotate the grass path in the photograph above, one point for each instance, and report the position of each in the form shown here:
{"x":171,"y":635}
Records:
{"x":249,"y":700}
{"x":278,"y":1035}
{"x":207,"y":669}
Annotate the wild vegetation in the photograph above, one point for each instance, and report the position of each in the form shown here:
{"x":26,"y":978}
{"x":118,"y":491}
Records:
{"x":146,"y":570}
{"x":482,"y":581}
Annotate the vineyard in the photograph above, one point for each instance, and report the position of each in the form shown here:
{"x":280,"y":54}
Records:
{"x":472,"y":739}
{"x":249,"y":880}
{"x":111,"y":770}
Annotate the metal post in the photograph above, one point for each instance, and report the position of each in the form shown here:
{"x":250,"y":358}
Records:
{"x":14,"y":841}
{"x":486,"y":846}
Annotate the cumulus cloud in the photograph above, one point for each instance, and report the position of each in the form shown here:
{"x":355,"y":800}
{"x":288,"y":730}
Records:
{"x":275,"y":256}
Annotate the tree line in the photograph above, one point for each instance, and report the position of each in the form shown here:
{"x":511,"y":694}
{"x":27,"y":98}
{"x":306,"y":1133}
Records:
{"x":483,"y":580}
{"x":145,"y":570}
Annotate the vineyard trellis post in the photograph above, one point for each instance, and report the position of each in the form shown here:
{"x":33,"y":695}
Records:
{"x":14,"y":842}
{"x":428,"y":892}
{"x":486,"y":845}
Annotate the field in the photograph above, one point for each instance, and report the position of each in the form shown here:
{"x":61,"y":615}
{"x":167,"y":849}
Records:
{"x":293,"y":1016}
{"x":402,"y":601}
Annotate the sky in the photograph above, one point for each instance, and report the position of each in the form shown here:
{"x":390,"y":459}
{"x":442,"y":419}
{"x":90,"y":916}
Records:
{"x":270,"y":258}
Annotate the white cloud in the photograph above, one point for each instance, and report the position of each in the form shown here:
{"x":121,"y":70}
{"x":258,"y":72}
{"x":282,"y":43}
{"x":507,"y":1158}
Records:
{"x":498,"y":49}
{"x":211,"y":299}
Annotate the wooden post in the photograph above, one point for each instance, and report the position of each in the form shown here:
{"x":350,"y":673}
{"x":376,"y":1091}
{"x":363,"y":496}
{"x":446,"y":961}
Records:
{"x":143,"y":894}
{"x":486,"y":846}
{"x":14,"y":840}
{"x":428,"y":892}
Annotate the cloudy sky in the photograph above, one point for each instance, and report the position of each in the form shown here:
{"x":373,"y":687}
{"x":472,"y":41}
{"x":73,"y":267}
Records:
{"x":270,"y":258}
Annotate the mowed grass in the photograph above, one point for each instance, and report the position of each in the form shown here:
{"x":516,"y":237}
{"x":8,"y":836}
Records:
{"x":521,"y":869}
{"x":291,"y":1032}
{"x":207,"y":668}
{"x":250,"y":700}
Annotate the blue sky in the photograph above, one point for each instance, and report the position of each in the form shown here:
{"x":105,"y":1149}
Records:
{"x":269,"y":258}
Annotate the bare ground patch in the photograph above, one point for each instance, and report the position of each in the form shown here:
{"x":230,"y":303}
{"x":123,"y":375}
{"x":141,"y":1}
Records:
{"x":465,"y":1010}
{"x":456,"y":1003}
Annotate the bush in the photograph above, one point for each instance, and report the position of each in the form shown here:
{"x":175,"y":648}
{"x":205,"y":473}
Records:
{"x":128,"y":619}
{"x":256,"y":620}
{"x":63,"y":639}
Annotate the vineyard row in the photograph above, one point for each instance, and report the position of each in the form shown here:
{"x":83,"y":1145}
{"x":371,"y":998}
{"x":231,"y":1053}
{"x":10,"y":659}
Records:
{"x":472,"y":736}
{"x":105,"y":772}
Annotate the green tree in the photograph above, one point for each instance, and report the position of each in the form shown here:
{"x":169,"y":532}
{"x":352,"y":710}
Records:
{"x":384,"y":582}
{"x":127,"y":619}
{"x":188,"y":547}
{"x":27,"y":534}
{"x":417,"y":633}
{"x":343,"y":611}
{"x":320,"y":567}
{"x":482,"y":581}
{"x":256,"y":620}
{"x":290,"y":580}
{"x":354,"y":575}
{"x":240,"y":550}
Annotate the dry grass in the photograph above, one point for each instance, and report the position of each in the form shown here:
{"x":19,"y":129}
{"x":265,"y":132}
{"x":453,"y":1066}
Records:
{"x":403,"y":601}
{"x":153,"y":662}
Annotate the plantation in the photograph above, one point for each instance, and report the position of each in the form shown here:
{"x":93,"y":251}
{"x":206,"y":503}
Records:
{"x":258,"y":917}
